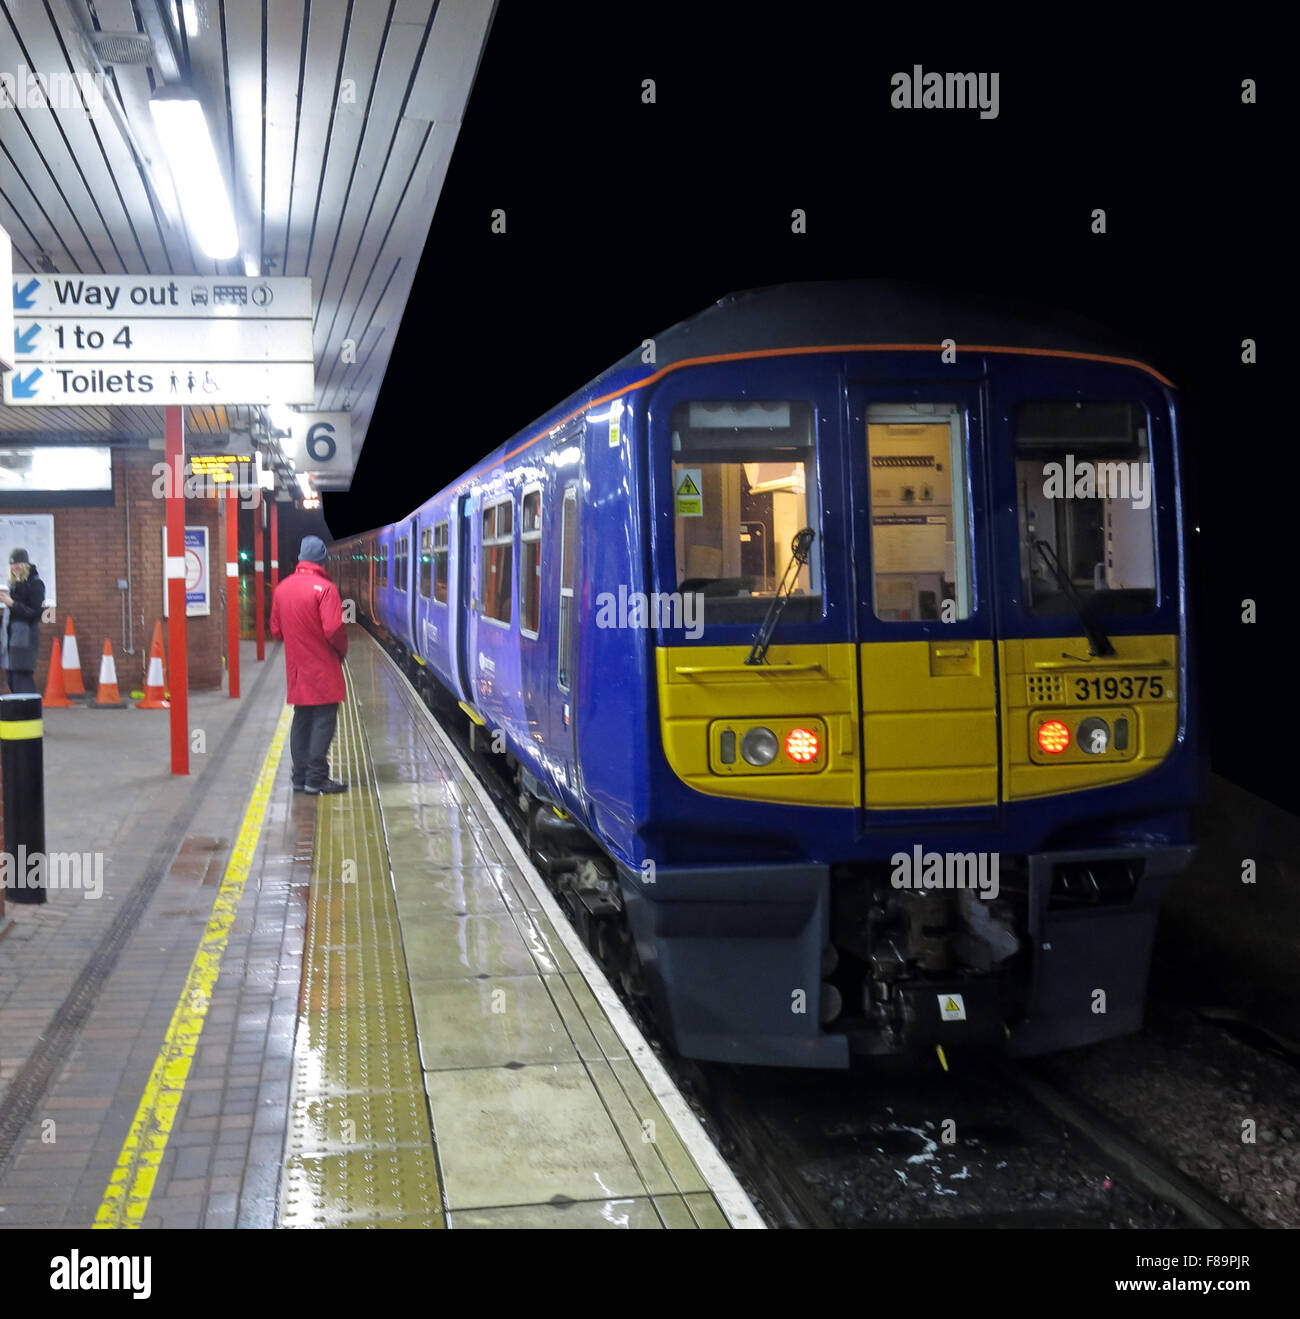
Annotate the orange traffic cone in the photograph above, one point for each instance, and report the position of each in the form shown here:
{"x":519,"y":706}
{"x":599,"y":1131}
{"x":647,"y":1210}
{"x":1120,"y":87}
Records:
{"x":155,"y":681}
{"x":56,"y":696}
{"x":108,"y":693}
{"x":72,"y":683}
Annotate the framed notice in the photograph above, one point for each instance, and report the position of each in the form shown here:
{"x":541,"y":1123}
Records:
{"x":198,"y":579}
{"x":34,"y":532}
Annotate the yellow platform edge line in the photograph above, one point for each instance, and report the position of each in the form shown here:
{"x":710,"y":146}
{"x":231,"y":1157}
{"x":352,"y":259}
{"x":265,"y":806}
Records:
{"x":126,"y":1198}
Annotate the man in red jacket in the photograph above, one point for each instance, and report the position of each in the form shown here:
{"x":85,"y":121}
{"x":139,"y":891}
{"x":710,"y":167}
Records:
{"x":307,"y":613}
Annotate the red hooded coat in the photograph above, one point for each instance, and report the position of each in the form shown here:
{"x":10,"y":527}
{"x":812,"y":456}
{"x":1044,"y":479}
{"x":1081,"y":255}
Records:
{"x":307,"y":612}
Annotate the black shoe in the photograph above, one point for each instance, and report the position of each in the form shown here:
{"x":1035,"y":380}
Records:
{"x":300,"y":787}
{"x":330,"y":785}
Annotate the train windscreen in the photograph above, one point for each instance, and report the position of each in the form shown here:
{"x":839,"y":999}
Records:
{"x":1086,"y":508}
{"x":744,"y":481}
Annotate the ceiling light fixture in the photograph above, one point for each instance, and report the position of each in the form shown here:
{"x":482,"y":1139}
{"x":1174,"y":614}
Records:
{"x":186,"y":141}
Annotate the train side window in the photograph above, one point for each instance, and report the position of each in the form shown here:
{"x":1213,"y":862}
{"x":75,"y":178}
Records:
{"x":383,"y":565}
{"x":920,"y":520}
{"x":568,"y":556}
{"x":498,"y":552}
{"x":440,"y":542}
{"x":403,"y":558}
{"x":426,"y":561}
{"x":1086,"y":508}
{"x":530,"y":577}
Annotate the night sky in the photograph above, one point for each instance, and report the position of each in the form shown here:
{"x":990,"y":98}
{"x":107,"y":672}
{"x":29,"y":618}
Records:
{"x":623,"y":218}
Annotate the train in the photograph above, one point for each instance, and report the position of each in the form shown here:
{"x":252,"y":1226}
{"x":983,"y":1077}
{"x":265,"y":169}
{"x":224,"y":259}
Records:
{"x":835,"y":645}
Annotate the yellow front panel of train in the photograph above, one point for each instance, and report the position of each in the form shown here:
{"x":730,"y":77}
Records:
{"x":1073,"y":722}
{"x":709,"y":699}
{"x":929,"y":724}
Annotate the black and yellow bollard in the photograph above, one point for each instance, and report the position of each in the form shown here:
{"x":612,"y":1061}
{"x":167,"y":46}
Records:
{"x":22,"y":752}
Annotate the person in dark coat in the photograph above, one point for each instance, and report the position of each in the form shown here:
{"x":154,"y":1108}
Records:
{"x":307,"y":613}
{"x":24,"y":601}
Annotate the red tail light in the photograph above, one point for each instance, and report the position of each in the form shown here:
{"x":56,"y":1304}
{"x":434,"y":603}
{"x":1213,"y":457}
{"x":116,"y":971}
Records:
{"x":1053,"y":737}
{"x":802,"y":745}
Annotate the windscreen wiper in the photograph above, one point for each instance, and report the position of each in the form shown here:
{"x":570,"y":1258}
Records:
{"x":1098,"y":641}
{"x":800,"y":548}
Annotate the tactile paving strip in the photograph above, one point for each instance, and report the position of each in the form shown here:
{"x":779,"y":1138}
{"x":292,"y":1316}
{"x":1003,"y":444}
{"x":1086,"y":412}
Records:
{"x":359,"y":1151}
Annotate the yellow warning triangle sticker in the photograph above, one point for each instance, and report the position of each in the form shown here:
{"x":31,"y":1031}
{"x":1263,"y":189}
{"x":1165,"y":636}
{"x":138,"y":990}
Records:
{"x":951,"y":1006}
{"x":688,"y":487}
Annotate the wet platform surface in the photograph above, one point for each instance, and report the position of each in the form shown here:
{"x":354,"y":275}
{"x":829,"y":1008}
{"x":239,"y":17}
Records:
{"x":358,"y":1010}
{"x":448,"y":982}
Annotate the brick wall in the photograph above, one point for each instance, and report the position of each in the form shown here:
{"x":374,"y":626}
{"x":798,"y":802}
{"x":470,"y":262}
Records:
{"x":90,"y":545}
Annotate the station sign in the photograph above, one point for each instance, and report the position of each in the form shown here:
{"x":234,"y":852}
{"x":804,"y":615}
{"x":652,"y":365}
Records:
{"x":80,"y":340}
{"x":63,"y":384}
{"x":198,"y":577}
{"x":320,"y":443}
{"x":99,"y":339}
{"x":171,"y":296}
{"x":240,"y":471}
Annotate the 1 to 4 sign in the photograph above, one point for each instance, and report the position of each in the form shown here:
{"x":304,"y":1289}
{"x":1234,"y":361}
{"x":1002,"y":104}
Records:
{"x":188,"y":340}
{"x":83,"y":337}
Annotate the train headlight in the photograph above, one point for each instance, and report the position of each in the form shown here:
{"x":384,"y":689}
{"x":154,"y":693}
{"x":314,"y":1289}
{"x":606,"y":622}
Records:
{"x":759,"y":746}
{"x":1093,"y":736}
{"x":1053,"y":737}
{"x":802,"y":745}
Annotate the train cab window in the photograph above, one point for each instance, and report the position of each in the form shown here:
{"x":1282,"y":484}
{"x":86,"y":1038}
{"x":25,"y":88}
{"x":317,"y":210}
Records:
{"x":426,"y":561}
{"x":744,"y":482}
{"x":920,"y":523}
{"x":530,"y":546}
{"x":498,"y":551}
{"x":440,"y":530}
{"x":1085,"y":508}
{"x":568,"y":567}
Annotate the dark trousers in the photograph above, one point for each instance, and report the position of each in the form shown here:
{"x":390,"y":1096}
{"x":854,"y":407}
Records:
{"x":309,"y":743}
{"x":22,"y":682}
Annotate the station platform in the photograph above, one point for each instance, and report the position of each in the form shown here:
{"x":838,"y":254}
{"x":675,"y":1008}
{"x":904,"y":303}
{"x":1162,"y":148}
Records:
{"x":363,"y":1010}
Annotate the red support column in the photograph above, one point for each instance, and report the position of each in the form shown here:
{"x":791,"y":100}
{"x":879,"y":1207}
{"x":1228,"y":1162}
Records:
{"x":275,"y":544}
{"x":232,"y":591}
{"x":259,"y":580}
{"x":174,"y":572}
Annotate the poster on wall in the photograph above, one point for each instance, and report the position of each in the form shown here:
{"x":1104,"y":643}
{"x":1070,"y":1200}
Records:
{"x":34,"y":532}
{"x":198,"y":590}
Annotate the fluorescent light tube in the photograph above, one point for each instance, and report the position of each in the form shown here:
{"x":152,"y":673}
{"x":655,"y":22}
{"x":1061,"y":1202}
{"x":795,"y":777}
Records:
{"x":183,"y":133}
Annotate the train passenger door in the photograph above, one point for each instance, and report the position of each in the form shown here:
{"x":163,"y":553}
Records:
{"x":567,"y":582}
{"x":928,"y":669}
{"x":410,"y":571}
{"x":465,"y":611}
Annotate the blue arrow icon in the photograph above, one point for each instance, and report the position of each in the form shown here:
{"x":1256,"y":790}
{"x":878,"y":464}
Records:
{"x":23,"y":296}
{"x":25,"y":385}
{"x":26,"y":341}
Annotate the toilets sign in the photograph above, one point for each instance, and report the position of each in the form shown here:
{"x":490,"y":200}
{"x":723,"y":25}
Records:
{"x":172,"y":339}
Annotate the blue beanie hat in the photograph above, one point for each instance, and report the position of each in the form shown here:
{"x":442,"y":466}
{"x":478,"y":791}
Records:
{"x":312,"y":549}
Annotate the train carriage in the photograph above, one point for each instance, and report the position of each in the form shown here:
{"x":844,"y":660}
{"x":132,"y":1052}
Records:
{"x":841,"y":654}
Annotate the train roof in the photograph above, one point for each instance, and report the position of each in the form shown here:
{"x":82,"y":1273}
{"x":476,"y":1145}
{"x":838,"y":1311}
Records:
{"x":837,"y":314}
{"x":833,"y":313}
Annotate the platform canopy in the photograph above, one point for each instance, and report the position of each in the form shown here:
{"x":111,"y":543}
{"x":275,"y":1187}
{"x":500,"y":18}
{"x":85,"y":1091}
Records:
{"x":333,"y":125}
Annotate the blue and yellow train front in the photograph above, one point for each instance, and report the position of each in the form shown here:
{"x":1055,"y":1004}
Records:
{"x":945,"y":806}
